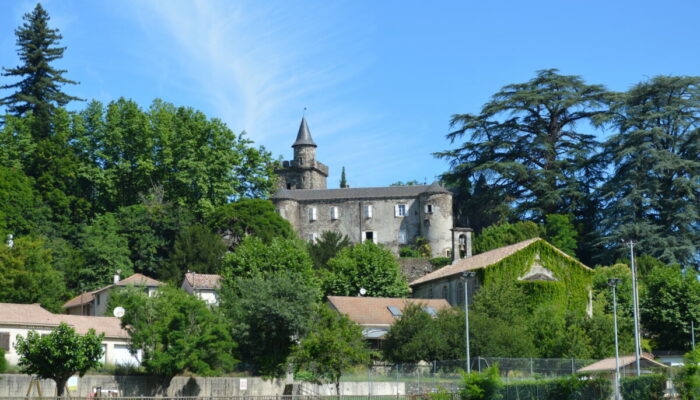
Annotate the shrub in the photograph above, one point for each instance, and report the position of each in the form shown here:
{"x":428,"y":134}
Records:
{"x":688,"y":379}
{"x":481,"y":386}
{"x":439,"y":262}
{"x":3,"y":361}
{"x":645,"y":387}
{"x":409,"y":252}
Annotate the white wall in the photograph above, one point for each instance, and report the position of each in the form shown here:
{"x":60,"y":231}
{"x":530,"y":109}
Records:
{"x":12,"y":357}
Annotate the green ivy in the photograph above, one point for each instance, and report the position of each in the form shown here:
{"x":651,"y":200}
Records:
{"x":571,"y":289}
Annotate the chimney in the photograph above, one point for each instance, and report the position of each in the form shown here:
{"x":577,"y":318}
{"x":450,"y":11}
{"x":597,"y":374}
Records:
{"x":461,"y":242}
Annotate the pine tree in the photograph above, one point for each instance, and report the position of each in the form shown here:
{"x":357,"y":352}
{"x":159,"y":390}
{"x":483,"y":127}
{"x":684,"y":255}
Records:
{"x":653,"y":195}
{"x":343,"y":181}
{"x":39,"y":89}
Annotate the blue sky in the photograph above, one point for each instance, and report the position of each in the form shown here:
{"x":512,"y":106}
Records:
{"x":380,"y":79}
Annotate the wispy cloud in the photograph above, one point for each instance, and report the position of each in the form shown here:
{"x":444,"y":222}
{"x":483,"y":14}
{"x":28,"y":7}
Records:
{"x":258,"y":64}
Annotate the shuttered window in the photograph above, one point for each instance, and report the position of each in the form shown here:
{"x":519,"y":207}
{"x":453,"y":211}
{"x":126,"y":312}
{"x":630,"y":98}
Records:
{"x":5,"y":341}
{"x":312,"y":214}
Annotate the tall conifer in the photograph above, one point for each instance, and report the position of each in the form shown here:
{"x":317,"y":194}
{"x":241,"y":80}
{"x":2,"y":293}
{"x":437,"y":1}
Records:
{"x":39,"y":89}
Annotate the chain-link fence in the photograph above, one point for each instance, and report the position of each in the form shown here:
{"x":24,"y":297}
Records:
{"x":429,"y":377}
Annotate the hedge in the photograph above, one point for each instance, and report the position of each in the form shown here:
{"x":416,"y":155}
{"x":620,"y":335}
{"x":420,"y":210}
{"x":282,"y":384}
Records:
{"x":571,"y":388}
{"x":645,"y":387}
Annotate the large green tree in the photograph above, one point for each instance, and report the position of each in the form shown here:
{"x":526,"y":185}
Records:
{"x":176,"y":332}
{"x":39,"y":88}
{"x":268,"y":312}
{"x":104,"y":251}
{"x":196,"y":249}
{"x":27,"y":275}
{"x":326,"y":247}
{"x":253,"y":256}
{"x":334,"y":345}
{"x":671,"y":302}
{"x":528,"y":144}
{"x":59,"y":355}
{"x":365,"y":265}
{"x":249,"y":217}
{"x":653,"y":195}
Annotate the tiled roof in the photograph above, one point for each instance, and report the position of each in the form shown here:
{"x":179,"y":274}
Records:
{"x":139,"y":280}
{"x":386,"y":192}
{"x":608,"y":364}
{"x":203,"y":281}
{"x":483,"y":260}
{"x":135,"y":279}
{"x":83,"y":298}
{"x":375,"y":311}
{"x":34,"y":315}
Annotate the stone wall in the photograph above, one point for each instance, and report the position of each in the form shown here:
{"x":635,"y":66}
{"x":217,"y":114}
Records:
{"x":15,"y":385}
{"x":414,"y":268}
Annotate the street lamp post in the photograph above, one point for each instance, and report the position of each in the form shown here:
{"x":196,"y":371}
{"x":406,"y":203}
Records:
{"x":613,"y":283}
{"x":466,"y":276}
{"x":635,"y":309}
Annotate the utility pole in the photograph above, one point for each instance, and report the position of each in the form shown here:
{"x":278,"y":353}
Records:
{"x":467,"y":275}
{"x":635,"y":309}
{"x":613,"y":283}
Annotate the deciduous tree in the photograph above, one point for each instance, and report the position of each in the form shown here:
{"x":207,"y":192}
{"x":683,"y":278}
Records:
{"x":365,"y":265}
{"x":59,"y":355}
{"x":268,"y":312}
{"x":334,"y":345}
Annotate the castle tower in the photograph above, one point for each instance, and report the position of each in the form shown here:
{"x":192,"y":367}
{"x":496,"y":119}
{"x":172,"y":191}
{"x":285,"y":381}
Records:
{"x":303,"y":172}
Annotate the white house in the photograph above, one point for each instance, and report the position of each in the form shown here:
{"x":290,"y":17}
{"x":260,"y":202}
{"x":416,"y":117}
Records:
{"x":204,"y":286}
{"x":95,"y":302}
{"x":19,"y":319}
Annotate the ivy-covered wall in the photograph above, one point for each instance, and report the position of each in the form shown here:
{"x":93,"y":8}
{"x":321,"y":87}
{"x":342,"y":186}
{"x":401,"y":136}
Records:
{"x":574,"y":280}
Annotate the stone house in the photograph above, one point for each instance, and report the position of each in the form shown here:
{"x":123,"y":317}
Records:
{"x":19,"y":319}
{"x":542,"y":270}
{"x":204,"y":286}
{"x":376,"y":314}
{"x":95,"y":302}
{"x":394,"y":216}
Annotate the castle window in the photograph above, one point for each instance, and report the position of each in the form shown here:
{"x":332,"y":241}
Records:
{"x":289,"y":186}
{"x":312,"y":214}
{"x":335,"y":213}
{"x":428,"y":208}
{"x":368,"y":211}
{"x":403,"y":237}
{"x":400,"y":210}
{"x":313,"y":237}
{"x":369,"y":236}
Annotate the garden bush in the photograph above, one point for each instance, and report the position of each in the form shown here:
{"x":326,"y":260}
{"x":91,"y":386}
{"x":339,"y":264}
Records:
{"x":645,"y":387}
{"x":409,"y":252}
{"x":481,"y":386}
{"x":3,"y":361}
{"x":688,"y":379}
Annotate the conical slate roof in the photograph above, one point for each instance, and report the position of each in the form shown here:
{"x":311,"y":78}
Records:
{"x":304,"y":135}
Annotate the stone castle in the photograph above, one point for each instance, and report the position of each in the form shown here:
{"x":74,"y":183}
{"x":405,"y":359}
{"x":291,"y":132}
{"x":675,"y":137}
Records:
{"x":393,"y":216}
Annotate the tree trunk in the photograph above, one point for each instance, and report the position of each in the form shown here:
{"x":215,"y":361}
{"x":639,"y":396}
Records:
{"x":337,"y":387}
{"x":60,"y":386}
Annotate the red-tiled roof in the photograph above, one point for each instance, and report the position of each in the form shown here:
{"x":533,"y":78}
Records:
{"x":33,"y":315}
{"x":375,"y":311}
{"x":203,"y":281}
{"x":483,"y":260}
{"x":135,"y":279}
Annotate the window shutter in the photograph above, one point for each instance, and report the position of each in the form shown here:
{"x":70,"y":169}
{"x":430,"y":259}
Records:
{"x":396,"y":210}
{"x":5,"y":340}
{"x":312,"y":214}
{"x":368,"y":211}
